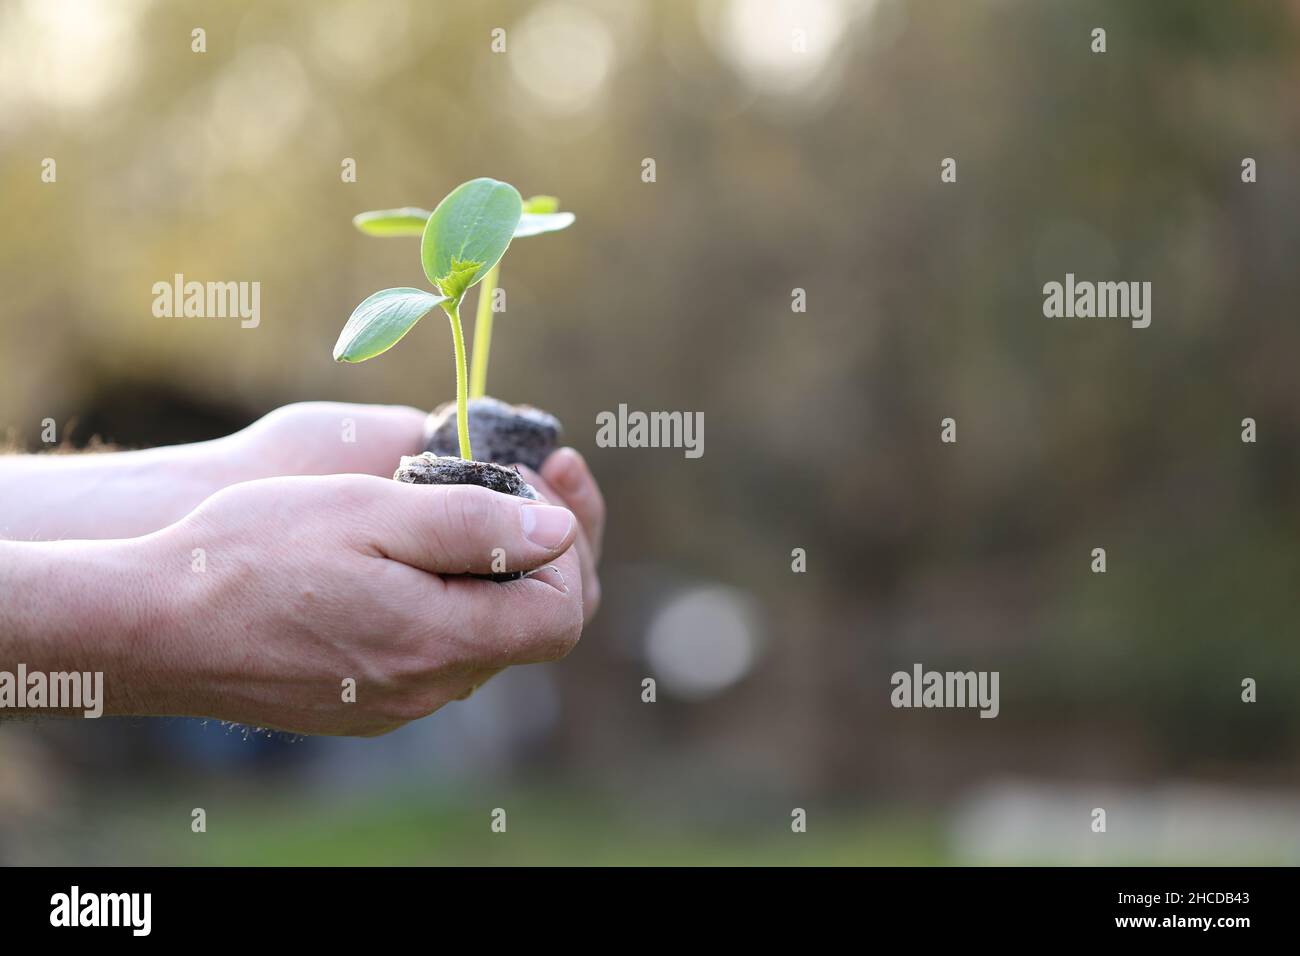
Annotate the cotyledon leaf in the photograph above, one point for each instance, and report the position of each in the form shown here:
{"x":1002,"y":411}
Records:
{"x":534,"y":224}
{"x":541,"y":204}
{"x":540,"y":215}
{"x":408,"y":221}
{"x":472,"y":225}
{"x":379,"y":322}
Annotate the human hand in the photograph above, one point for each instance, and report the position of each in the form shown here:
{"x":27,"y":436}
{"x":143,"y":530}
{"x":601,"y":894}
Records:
{"x":309,"y":581}
{"x":567,"y":469}
{"x":325,"y":438}
{"x":566,"y":480}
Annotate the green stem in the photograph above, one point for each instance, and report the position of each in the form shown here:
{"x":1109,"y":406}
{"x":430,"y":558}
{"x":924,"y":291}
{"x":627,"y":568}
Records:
{"x":483,"y":333}
{"x":462,"y":396}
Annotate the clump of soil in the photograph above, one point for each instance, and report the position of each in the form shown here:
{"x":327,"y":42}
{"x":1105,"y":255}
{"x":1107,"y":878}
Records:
{"x":498,"y":432}
{"x":430,"y":469}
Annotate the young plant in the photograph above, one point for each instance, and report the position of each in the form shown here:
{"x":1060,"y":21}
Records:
{"x":462,"y":240}
{"x":540,"y":214}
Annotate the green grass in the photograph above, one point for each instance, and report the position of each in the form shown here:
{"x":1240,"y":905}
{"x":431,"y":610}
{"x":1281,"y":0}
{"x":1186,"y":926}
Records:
{"x":542,"y":828}
{"x":274,"y":827}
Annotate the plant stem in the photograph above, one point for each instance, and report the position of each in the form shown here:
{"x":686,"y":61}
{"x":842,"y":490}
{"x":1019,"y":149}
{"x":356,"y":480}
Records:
{"x":483,"y":332}
{"x":462,"y":396}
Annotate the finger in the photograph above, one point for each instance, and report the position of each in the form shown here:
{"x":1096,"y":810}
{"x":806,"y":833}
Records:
{"x":549,"y":494}
{"x":371,"y":438}
{"x":534,"y":619}
{"x":324,"y":438}
{"x":566,"y":471}
{"x":586,"y":555}
{"x":464,"y":529}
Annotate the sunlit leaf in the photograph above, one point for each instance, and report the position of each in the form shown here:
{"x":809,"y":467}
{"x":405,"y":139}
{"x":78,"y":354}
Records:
{"x":379,"y":322}
{"x":534,"y":224}
{"x":540,"y":215}
{"x":541,"y":205}
{"x":473,"y":224}
{"x":408,"y":221}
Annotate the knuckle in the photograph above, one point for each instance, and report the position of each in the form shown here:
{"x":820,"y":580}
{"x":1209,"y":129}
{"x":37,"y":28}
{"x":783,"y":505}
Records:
{"x":280,"y":421}
{"x":466,"y":511}
{"x":350,"y":495}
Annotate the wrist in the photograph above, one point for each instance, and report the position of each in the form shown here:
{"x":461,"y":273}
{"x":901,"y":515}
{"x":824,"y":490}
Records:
{"x":89,"y":607}
{"x":108,"y":495}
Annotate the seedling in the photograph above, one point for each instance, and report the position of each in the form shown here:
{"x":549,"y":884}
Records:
{"x":462,"y":240}
{"x":540,"y":214}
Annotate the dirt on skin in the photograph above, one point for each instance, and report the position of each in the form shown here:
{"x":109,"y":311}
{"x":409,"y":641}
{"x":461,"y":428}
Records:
{"x":430,"y":469}
{"x":498,"y":432}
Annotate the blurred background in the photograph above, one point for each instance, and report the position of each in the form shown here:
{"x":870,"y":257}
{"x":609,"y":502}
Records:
{"x":779,"y":164}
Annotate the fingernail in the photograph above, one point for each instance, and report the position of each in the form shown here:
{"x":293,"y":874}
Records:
{"x":552,"y":576}
{"x":546,"y":525}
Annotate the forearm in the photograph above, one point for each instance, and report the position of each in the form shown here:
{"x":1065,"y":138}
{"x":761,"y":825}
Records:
{"x":107,"y":495}
{"x":89,"y":607}
{"x":126,"y":494}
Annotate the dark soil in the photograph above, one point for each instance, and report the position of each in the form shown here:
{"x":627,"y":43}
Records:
{"x":430,"y":469}
{"x":498,"y":432}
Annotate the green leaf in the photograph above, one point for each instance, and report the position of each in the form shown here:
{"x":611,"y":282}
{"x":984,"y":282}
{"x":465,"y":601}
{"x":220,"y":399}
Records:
{"x":541,"y":205}
{"x":473,"y":225}
{"x":408,"y":221}
{"x":459,"y":277}
{"x":379,"y":323}
{"x":540,"y":215}
{"x":534,"y":224}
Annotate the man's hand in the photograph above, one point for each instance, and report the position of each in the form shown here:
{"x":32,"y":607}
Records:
{"x":270,"y":601}
{"x":264,"y":603}
{"x":306,"y":439}
{"x":312,"y":581}
{"x":566,"y":480}
{"x":326,"y":438}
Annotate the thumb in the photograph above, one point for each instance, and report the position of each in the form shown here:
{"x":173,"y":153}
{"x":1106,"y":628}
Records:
{"x":464,"y":529}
